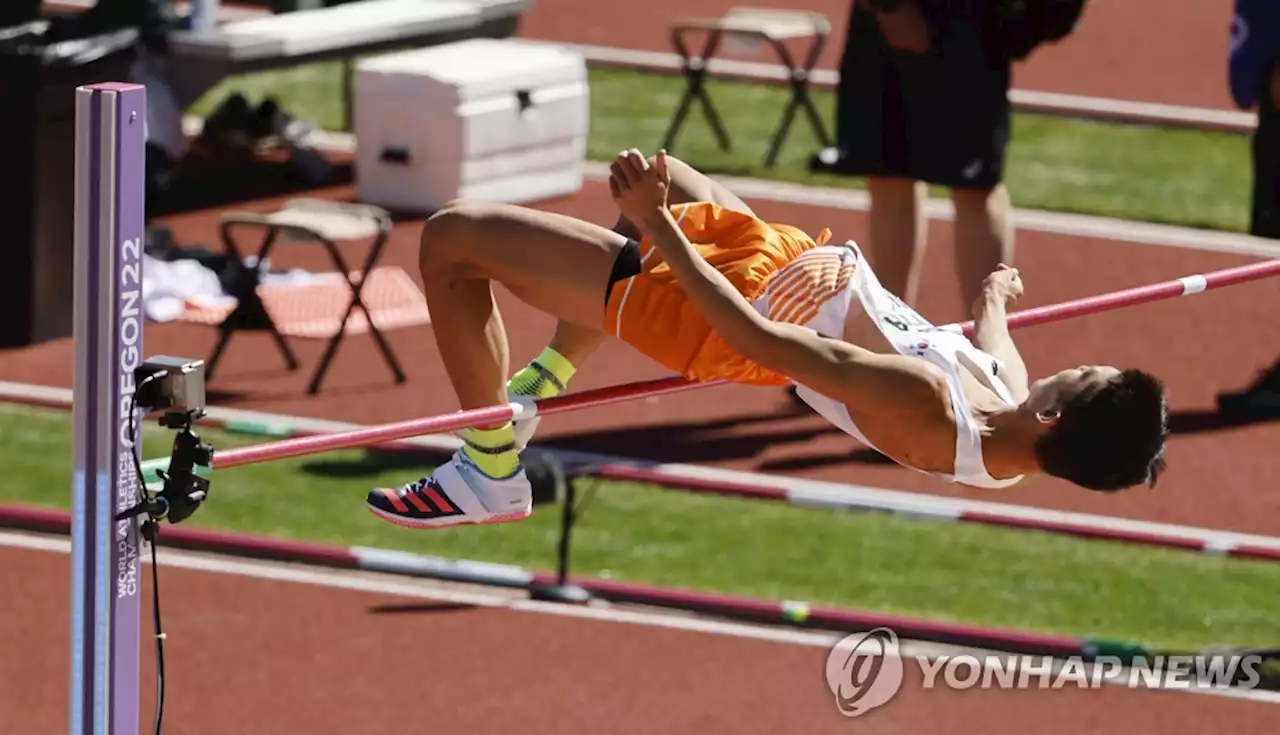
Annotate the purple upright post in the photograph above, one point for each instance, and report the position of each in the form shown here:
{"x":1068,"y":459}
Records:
{"x":105,"y":578}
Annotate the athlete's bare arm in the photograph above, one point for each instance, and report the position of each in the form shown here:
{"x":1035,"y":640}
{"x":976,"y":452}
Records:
{"x":862,"y":379}
{"x":865,"y":381}
{"x":991,"y":327}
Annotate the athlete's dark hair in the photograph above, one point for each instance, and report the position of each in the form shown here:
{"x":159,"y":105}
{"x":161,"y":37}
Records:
{"x":1110,"y":437}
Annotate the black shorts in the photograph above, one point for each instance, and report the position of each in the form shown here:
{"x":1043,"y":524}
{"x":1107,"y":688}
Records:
{"x":627,"y":264}
{"x":941,"y":117}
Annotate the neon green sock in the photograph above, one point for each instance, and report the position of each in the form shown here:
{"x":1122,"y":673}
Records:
{"x":493,"y":450}
{"x":546,"y":376}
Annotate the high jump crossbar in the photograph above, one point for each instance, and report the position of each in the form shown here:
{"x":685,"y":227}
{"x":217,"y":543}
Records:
{"x":300,"y":446}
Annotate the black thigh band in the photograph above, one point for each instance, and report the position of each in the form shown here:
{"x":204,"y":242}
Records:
{"x":625,"y":266}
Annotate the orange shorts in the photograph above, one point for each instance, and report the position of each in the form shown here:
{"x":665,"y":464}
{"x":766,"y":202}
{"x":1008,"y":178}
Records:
{"x":651,"y":312}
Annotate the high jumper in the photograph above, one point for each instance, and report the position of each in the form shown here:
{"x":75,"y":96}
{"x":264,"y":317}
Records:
{"x":693,"y":279}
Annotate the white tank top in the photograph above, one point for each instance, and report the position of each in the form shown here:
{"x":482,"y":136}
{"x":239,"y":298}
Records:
{"x":818,"y":288}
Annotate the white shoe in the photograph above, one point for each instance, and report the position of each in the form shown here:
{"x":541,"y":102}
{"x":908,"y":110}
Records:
{"x":457,"y":493}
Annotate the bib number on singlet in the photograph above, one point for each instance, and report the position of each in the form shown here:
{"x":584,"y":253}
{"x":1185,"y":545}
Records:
{"x":906,"y":319}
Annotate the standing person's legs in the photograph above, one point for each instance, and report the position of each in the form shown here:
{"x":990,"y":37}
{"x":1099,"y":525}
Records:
{"x":1261,"y":399}
{"x":959,"y":121}
{"x":983,"y":235}
{"x":871,"y":134}
{"x":898,"y":232}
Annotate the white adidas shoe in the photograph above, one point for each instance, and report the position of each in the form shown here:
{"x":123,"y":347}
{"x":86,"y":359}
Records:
{"x":457,"y":493}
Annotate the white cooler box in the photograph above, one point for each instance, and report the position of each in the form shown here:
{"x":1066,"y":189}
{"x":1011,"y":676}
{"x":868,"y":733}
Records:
{"x":485,"y":119}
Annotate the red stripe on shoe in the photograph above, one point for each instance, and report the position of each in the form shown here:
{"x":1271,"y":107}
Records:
{"x":439,"y":499}
{"x":396,"y":502}
{"x":419,"y":504}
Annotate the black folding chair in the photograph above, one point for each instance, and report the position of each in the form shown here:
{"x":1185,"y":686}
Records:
{"x":774,"y":27}
{"x":304,"y":220}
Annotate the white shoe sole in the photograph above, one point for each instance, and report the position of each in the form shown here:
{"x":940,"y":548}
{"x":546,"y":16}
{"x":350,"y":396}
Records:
{"x":465,"y":499}
{"x":446,"y":522}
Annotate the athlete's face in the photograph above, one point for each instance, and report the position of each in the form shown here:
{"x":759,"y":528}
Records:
{"x":1049,"y":394}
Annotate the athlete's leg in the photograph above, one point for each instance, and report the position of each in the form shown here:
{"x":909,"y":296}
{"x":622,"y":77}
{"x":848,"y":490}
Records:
{"x":576,"y":343}
{"x":557,"y":264}
{"x":548,"y":374}
{"x":573,"y":343}
{"x":554,"y":263}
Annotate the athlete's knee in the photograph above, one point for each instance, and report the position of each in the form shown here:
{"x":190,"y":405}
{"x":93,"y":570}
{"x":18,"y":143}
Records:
{"x":453,"y":219}
{"x":445,"y":232}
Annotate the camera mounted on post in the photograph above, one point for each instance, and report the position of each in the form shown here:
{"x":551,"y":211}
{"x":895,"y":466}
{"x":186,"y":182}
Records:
{"x":176,"y":387}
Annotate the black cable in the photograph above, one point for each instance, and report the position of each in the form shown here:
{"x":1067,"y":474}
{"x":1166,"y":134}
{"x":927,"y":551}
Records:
{"x":151,"y":532}
{"x":155,"y":610}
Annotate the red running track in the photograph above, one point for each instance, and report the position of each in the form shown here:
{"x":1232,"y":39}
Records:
{"x":248,"y":655}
